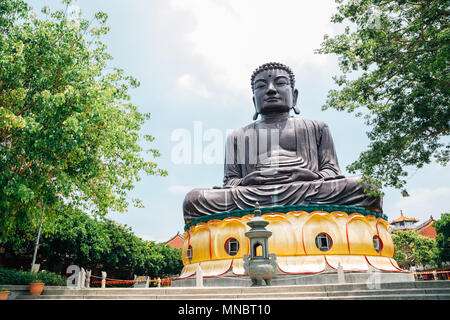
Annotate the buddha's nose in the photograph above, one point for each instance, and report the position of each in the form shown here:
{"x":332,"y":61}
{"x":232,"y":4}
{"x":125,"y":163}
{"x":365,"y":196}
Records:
{"x":271,"y":89}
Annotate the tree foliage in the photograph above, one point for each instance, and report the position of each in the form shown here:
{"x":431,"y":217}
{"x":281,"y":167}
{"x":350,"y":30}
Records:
{"x":394,"y":59}
{"x":442,"y":227}
{"x":413,"y":249}
{"x":172,"y":264}
{"x":73,"y":237}
{"x":69,"y":135}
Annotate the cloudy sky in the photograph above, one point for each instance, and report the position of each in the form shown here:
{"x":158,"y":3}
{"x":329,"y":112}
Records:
{"x":194,"y":59}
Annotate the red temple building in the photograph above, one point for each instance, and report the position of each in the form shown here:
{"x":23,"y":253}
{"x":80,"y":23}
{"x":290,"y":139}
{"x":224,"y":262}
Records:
{"x":176,"y":241}
{"x":404,"y":223}
{"x":426,"y":229}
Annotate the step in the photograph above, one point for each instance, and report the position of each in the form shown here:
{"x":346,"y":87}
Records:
{"x":391,"y":292}
{"x":258,"y":297}
{"x":436,"y":289}
{"x":392,"y":297}
{"x":240,"y":290}
{"x":255,"y":295}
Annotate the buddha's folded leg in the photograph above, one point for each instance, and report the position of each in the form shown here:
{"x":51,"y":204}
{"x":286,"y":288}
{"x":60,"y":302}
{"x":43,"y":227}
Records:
{"x":343,"y":191}
{"x":201,"y":202}
{"x":346,"y":191}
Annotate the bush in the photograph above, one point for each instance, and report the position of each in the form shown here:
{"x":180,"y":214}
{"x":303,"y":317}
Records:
{"x":9,"y":276}
{"x":19,"y":277}
{"x":51,"y":279}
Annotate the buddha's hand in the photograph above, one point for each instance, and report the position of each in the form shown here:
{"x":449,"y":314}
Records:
{"x":270,"y":176}
{"x":222,"y":187}
{"x":297,"y":174}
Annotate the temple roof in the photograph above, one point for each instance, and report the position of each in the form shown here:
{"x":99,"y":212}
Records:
{"x":426,"y":229}
{"x":403,"y":218}
{"x":176,"y":241}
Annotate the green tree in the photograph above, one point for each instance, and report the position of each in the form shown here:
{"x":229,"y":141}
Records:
{"x":74,"y":237}
{"x":442,"y":227}
{"x":413,"y":249}
{"x":129,"y":252}
{"x":394,"y":59}
{"x":69,"y":135}
{"x":172,"y":264}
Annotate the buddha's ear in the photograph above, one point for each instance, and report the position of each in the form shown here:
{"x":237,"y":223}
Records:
{"x":294,"y":102}
{"x":255,"y":116}
{"x":294,"y":97}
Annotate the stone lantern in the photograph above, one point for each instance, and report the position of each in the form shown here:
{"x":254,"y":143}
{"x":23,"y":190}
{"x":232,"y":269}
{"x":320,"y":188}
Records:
{"x":259,"y":265}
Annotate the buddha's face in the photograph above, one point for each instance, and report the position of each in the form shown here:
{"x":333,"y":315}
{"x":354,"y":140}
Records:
{"x":273,"y":92}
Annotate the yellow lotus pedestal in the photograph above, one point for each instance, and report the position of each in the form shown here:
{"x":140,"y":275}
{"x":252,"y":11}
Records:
{"x":306,"y":239}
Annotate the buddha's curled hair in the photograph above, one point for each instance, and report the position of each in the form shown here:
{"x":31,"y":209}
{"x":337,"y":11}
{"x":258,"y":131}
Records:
{"x":272,"y":66}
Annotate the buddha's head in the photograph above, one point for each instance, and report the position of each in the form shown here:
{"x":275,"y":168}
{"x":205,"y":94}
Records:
{"x":273,"y":86}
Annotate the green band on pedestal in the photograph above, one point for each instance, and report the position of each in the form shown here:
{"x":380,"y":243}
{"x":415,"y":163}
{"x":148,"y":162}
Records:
{"x":285,"y":209}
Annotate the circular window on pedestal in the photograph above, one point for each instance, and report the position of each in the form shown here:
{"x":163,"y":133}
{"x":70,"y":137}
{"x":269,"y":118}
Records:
{"x":323,"y":242}
{"x":189,"y":253}
{"x":377,"y":244}
{"x":232,"y":246}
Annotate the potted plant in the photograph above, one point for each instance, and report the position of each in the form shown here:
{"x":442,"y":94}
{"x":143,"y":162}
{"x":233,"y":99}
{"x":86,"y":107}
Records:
{"x":36,"y":287}
{"x":3,"y":294}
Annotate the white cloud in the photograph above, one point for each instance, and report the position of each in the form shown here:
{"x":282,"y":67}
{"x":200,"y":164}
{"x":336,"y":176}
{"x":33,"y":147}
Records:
{"x":180,"y":190}
{"x":422,"y":203}
{"x":233,"y":37}
{"x":189,"y":83}
{"x":148,"y":237}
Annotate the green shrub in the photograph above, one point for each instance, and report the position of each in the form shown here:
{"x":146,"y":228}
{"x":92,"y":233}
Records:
{"x":36,"y":281}
{"x":51,"y":279}
{"x":19,"y":277}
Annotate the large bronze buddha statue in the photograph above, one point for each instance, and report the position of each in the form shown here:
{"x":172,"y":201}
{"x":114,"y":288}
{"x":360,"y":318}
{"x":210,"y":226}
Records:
{"x":278,"y":160}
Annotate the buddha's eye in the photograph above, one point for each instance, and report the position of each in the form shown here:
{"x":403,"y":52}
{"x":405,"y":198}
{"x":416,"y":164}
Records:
{"x":282,"y":83}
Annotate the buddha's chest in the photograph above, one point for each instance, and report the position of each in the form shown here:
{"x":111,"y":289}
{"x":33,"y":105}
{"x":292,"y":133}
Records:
{"x":278,"y":136}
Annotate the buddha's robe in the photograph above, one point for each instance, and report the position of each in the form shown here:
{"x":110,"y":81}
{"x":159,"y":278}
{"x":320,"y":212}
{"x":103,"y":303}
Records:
{"x":298,"y":143}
